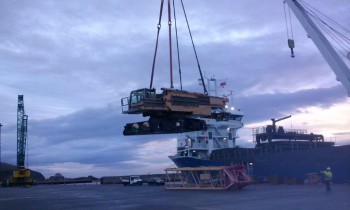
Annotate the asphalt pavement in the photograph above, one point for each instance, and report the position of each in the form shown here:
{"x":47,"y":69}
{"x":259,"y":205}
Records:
{"x":253,"y":197}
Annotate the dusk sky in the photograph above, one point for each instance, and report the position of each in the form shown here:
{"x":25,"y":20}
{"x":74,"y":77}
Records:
{"x":74,"y":60}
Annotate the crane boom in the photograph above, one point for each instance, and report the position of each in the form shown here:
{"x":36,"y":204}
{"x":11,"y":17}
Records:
{"x":280,"y":119}
{"x":22,"y":121}
{"x":338,"y":66}
{"x":21,"y":176}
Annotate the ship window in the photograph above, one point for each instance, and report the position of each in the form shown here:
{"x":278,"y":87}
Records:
{"x":235,"y":117}
{"x":210,"y":134}
{"x":238,"y":117}
{"x":230,"y":136}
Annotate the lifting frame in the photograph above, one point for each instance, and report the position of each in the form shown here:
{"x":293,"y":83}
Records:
{"x":207,"y":178}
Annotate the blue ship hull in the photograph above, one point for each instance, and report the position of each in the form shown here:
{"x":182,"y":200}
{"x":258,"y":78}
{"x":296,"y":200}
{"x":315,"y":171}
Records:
{"x":292,"y":164}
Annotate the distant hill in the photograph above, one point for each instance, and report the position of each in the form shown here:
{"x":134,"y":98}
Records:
{"x":7,"y":169}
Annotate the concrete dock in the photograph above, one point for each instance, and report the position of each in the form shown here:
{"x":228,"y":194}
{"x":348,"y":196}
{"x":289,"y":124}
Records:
{"x":92,"y":196}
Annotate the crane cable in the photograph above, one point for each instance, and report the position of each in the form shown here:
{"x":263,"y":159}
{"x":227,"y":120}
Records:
{"x":156,"y":48}
{"x":177,"y":46}
{"x":306,"y":5}
{"x":291,"y":44}
{"x":342,"y":41}
{"x":194,"y":48}
{"x":170,"y":47}
{"x":157,"y":40}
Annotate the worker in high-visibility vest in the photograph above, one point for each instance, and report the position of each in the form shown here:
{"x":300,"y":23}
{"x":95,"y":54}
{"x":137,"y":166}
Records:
{"x":328,"y":177}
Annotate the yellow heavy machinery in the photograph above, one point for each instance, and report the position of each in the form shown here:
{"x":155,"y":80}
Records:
{"x":21,"y":176}
{"x":172,"y":111}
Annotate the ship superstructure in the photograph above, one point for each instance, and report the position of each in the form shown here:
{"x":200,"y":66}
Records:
{"x":221,"y":133}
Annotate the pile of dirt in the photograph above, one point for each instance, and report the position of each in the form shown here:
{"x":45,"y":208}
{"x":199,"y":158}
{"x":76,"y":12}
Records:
{"x":7,"y":169}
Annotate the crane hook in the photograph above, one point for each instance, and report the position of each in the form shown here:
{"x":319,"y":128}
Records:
{"x":291,"y":46}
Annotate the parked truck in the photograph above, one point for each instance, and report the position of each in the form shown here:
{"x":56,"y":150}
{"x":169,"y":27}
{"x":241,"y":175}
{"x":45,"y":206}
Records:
{"x":132,"y":180}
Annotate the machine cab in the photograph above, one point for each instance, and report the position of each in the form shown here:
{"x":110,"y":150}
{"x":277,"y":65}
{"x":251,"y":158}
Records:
{"x":136,"y":101}
{"x":138,"y":96}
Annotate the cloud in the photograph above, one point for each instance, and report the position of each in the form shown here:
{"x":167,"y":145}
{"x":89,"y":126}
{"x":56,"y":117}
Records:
{"x":266,"y":106}
{"x":74,"y":61}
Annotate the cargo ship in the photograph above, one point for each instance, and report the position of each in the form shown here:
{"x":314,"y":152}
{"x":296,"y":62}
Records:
{"x":278,"y":152}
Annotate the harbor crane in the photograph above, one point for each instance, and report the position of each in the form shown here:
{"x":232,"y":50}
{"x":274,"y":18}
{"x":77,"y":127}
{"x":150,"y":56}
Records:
{"x":337,"y":64}
{"x":21,"y":176}
{"x":280,"y":119}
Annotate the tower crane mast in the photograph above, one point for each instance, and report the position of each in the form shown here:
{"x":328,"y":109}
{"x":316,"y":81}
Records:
{"x":21,"y":176}
{"x":338,"y":66}
{"x":22,"y":123}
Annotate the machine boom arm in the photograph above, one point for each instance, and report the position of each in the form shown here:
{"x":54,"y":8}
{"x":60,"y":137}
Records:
{"x":339,"y":67}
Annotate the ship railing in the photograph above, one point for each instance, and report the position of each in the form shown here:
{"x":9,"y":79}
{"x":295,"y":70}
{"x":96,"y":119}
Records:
{"x":217,"y":134}
{"x":241,"y":152}
{"x":259,"y":130}
{"x":298,"y":131}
